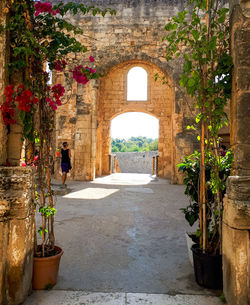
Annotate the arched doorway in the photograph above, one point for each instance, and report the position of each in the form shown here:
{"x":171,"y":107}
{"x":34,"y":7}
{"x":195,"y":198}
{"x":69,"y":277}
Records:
{"x":134,"y":138}
{"x":114,"y":100}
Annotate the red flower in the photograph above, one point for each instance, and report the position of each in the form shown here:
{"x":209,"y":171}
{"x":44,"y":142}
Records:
{"x":54,"y":12}
{"x":23,"y":164}
{"x":25,"y":100}
{"x":42,"y":8}
{"x":35,"y":100}
{"x":58,"y":91}
{"x":79,"y":76}
{"x":59,"y":65}
{"x":35,"y":158}
{"x":7,"y":113}
{"x":91,"y":59}
{"x":90,"y":70}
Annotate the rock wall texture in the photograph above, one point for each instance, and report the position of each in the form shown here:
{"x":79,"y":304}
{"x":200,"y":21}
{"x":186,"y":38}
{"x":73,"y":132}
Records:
{"x":118,"y":43}
{"x":236,"y":216}
{"x":136,"y":162}
{"x":16,"y":234}
{"x":3,"y":77}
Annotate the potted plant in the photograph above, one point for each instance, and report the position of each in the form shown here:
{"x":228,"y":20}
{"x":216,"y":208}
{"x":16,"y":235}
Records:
{"x":191,"y":167}
{"x":191,"y":170}
{"x":203,"y":41}
{"x":39,"y":34}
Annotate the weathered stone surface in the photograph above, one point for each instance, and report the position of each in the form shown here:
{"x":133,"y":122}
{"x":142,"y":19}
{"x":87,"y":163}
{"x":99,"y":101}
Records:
{"x":16,"y":234}
{"x":236,"y":265}
{"x":136,"y":162}
{"x":118,"y":43}
{"x":3,"y":79}
{"x":236,"y":215}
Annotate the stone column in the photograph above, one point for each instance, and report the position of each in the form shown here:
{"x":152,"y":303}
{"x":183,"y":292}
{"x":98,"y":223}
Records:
{"x":236,"y":216}
{"x":3,"y":82}
{"x":16,"y":233}
{"x":106,"y":148}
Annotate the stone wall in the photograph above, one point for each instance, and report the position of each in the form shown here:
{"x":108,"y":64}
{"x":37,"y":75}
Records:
{"x":16,"y":234}
{"x":118,"y":43}
{"x":3,"y":78}
{"x":236,"y":216}
{"x":136,"y":162}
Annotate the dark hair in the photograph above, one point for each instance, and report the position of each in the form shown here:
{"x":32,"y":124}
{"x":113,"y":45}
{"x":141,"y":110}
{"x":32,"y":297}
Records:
{"x":65,"y":144}
{"x":223,"y":147}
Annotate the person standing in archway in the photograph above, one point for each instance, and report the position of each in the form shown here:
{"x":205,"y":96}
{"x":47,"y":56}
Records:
{"x":65,"y":162}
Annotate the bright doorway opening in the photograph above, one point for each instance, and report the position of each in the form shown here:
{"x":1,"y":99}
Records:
{"x":134,"y":143}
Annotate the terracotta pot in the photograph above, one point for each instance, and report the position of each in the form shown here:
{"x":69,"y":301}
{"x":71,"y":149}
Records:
{"x":45,"y":271}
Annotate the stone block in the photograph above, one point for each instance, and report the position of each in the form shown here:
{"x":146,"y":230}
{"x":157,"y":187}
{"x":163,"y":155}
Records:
{"x":16,"y":233}
{"x":236,"y":265}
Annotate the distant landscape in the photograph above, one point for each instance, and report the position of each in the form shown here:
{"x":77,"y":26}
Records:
{"x":134,"y":144}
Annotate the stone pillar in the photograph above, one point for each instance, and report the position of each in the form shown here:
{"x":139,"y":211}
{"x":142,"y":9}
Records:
{"x":236,"y":216}
{"x":3,"y":82}
{"x":16,"y":233}
{"x":106,"y":148}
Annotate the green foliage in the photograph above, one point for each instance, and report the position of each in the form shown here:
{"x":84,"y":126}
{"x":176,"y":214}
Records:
{"x":44,"y":37}
{"x":36,"y":38}
{"x":191,"y":169}
{"x":207,"y":67}
{"x":134,"y":144}
{"x":201,"y":37}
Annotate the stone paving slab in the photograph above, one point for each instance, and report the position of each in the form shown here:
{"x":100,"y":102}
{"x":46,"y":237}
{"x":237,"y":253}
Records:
{"x":60,"y":297}
{"x":163,"y":299}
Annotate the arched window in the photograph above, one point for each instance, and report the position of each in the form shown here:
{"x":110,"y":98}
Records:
{"x":137,"y":84}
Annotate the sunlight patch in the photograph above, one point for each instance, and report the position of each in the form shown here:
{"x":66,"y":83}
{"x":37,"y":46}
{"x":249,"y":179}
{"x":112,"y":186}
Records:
{"x":91,"y":193}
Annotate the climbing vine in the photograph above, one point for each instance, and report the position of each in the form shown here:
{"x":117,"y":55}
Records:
{"x":39,"y":34}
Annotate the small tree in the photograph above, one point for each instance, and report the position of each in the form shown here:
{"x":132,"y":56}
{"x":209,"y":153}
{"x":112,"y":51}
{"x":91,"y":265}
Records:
{"x":201,"y":36}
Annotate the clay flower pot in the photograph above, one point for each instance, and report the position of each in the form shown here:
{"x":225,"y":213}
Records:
{"x":45,"y":271}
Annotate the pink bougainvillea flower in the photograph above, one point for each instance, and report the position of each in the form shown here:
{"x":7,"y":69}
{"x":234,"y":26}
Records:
{"x":90,"y":70}
{"x":54,"y":12}
{"x":91,"y":59}
{"x":35,"y":100}
{"x":59,"y":65}
{"x":58,"y":91}
{"x":35,"y":158}
{"x":79,"y":76}
{"x":42,"y":8}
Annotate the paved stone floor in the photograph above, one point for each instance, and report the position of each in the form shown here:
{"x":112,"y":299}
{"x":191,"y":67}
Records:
{"x":124,"y":243}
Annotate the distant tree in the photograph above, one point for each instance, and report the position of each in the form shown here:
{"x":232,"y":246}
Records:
{"x":134,"y":144}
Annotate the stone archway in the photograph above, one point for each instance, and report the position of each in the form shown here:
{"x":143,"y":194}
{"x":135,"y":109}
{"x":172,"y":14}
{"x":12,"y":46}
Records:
{"x":113,"y":102}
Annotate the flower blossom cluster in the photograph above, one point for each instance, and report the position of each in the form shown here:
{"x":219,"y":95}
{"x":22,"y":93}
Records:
{"x":57,"y":92}
{"x":24,"y":99}
{"x":7,"y":107}
{"x":23,"y":164}
{"x":59,"y":65}
{"x":45,"y":8}
{"x":83,"y":75}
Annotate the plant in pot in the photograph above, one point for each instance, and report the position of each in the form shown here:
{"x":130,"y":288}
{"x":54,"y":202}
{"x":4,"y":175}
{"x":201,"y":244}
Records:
{"x":201,"y":36}
{"x":191,"y":170}
{"x":191,"y":167}
{"x":39,"y":34}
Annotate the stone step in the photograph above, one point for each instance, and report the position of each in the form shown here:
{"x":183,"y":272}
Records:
{"x":62,"y":297}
